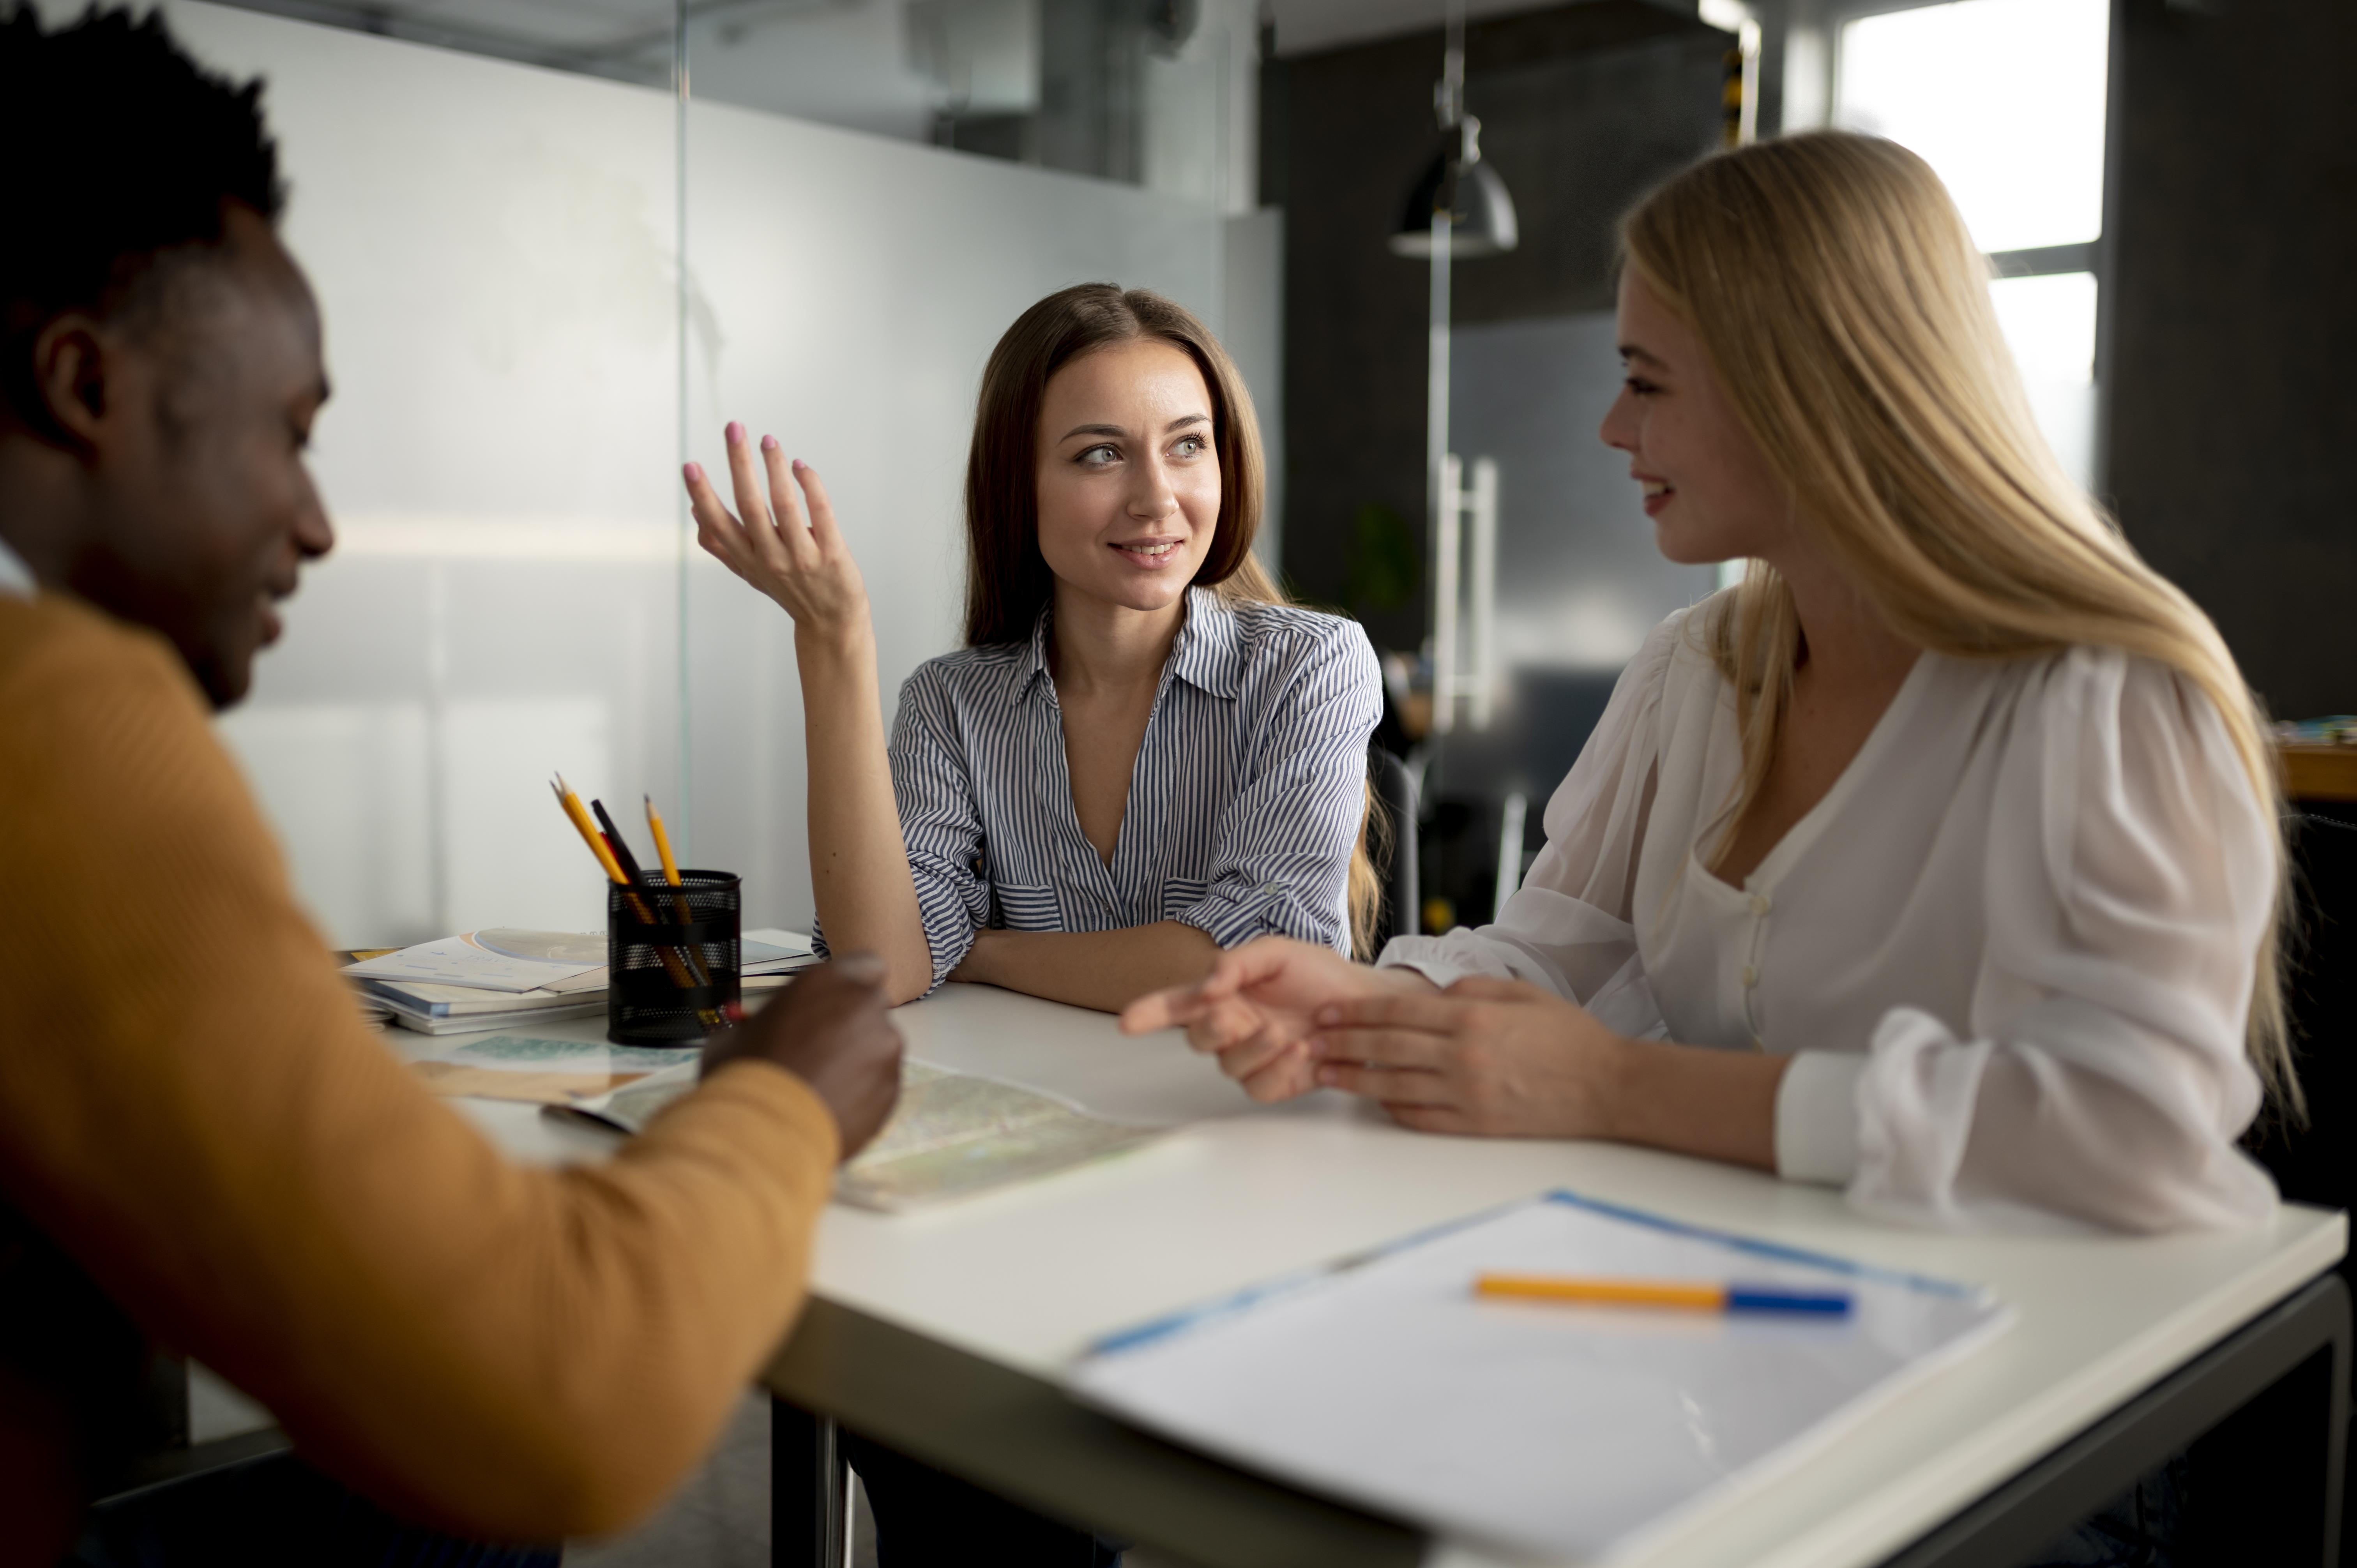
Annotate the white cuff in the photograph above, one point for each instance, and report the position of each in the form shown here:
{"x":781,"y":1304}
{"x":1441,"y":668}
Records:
{"x":1816,"y":1117}
{"x":1428,"y":956}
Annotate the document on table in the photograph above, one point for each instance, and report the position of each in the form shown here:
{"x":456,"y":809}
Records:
{"x":953,"y":1134}
{"x":455,"y":961}
{"x":543,"y":1071}
{"x":1578,"y":1432}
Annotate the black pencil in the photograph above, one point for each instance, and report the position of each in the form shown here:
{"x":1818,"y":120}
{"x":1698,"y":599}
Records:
{"x":630,"y":865}
{"x":622,"y":856}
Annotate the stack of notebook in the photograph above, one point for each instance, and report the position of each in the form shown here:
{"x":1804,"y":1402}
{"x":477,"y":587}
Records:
{"x":509,"y":979}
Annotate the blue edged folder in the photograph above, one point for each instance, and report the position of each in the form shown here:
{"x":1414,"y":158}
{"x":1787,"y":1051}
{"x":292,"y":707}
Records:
{"x":1574,"y":1433}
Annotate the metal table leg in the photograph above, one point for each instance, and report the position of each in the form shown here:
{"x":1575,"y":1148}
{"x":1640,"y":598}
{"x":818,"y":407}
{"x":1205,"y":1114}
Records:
{"x":809,"y":1523}
{"x":2265,"y":1414}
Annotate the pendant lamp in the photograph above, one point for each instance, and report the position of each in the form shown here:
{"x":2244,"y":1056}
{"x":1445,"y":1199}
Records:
{"x":1457,"y":184}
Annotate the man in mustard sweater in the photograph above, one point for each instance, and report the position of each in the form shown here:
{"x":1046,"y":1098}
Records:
{"x":201,"y":1146}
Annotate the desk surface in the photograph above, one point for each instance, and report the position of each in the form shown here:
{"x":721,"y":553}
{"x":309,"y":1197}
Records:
{"x":2321,"y":772}
{"x":1027,"y":1276}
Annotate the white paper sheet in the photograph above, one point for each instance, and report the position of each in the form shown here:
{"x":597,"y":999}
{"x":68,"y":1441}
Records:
{"x":455,"y":960}
{"x":1572,"y":1432}
{"x":952,"y":1135}
{"x":531,"y":1053}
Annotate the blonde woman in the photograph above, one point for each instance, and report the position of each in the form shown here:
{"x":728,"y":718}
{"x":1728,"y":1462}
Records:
{"x":1939,"y":860}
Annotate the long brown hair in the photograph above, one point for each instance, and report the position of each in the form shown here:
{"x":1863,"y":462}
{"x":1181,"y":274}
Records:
{"x":1007,"y":583}
{"x":1847,"y":310}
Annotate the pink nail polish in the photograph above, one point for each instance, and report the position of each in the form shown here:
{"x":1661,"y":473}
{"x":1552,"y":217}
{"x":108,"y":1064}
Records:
{"x":736,"y":433}
{"x":694,"y":472}
{"x":769,"y":442}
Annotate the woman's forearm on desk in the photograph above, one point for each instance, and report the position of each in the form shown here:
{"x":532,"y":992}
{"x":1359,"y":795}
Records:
{"x":1104,"y":970}
{"x":860,"y":880}
{"x":1688,"y":1100}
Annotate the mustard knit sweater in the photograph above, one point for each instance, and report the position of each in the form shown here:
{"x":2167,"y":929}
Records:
{"x":192,"y":1110}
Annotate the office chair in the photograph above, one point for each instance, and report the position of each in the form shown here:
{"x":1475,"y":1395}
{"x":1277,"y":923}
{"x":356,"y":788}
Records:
{"x":1394,"y":789}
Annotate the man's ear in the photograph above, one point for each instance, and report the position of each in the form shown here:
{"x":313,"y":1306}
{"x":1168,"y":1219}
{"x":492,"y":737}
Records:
{"x":69,"y":371}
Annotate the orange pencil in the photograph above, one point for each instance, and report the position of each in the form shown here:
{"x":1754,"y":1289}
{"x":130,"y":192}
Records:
{"x":1694,"y":1297}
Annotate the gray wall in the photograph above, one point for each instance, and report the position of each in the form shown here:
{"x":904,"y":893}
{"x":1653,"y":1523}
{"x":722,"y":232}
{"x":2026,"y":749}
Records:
{"x":2232,"y":383}
{"x":1583,"y":108}
{"x":1580,"y":579}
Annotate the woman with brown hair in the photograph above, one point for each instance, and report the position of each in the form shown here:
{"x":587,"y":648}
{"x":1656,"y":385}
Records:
{"x":1143,"y":754}
{"x":1938,"y":861}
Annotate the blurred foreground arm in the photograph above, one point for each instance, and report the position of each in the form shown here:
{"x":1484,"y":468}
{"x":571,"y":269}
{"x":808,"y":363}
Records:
{"x":191,"y":1108}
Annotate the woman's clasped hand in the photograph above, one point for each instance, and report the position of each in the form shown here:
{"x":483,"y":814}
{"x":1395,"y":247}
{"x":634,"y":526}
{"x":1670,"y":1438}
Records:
{"x":1485,"y":1055}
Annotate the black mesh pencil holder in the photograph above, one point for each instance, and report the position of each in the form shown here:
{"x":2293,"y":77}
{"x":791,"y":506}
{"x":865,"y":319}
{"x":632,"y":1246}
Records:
{"x":672,"y":956}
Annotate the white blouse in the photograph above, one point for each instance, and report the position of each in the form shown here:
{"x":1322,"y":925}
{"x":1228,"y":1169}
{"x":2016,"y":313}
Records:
{"x":2009,"y":951}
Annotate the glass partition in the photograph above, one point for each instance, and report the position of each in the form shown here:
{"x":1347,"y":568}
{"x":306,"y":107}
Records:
{"x":845,"y":292}
{"x":493,"y":250}
{"x":493,"y":220}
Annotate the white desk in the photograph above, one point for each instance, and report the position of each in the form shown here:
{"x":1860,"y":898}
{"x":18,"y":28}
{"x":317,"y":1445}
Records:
{"x":1025,"y":1277}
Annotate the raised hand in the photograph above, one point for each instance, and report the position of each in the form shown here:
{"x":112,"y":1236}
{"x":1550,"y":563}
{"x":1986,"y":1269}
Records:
{"x":830,"y":1030}
{"x":805,"y":567}
{"x":1256,"y":1010}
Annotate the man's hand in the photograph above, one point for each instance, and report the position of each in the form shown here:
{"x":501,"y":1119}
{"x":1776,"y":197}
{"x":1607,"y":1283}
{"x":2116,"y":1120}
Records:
{"x":830,"y":1030}
{"x":1256,"y":1010}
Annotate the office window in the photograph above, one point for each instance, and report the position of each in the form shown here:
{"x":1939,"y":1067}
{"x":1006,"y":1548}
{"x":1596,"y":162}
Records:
{"x":2004,"y":99}
{"x":2049,"y":323}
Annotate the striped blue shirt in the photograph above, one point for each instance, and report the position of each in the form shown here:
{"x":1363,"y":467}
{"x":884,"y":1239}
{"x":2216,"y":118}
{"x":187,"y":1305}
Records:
{"x":1243,"y":806}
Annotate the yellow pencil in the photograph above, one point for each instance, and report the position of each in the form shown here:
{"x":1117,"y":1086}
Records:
{"x":670,"y":874}
{"x":663,"y":842}
{"x":587,"y":830}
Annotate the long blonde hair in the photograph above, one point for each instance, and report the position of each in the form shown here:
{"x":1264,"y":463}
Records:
{"x":1848,"y":312}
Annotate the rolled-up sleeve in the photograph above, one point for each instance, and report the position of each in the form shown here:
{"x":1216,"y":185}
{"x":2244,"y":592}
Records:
{"x":1283,"y":840}
{"x":2130,"y":875}
{"x":940,"y":823}
{"x":1568,"y":928}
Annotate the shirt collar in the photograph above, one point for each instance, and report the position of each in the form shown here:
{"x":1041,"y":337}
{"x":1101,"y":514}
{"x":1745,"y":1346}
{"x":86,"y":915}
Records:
{"x":1208,"y":656}
{"x":1032,"y":667}
{"x":15,"y":577}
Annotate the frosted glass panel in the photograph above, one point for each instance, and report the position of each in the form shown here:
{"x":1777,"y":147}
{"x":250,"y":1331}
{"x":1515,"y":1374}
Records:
{"x":845,"y":293}
{"x":2004,"y":98}
{"x":2049,"y":324}
{"x":492,"y":248}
